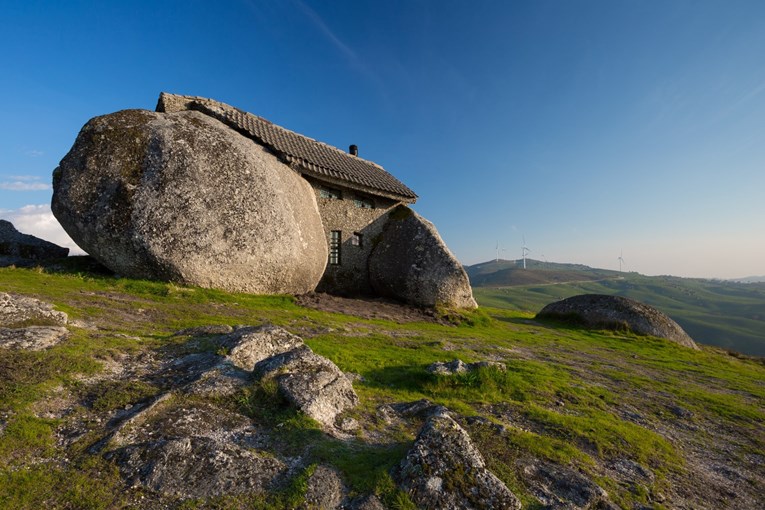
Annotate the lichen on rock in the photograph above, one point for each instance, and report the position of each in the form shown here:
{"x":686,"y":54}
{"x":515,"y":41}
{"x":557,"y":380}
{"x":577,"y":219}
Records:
{"x":182,"y":197}
{"x":444,"y":470}
{"x":411,"y":263}
{"x":617,"y":312}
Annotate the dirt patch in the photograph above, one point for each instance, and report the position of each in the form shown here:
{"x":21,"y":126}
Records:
{"x":368,"y":308}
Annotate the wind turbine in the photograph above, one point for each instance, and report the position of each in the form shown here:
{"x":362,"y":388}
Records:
{"x":621,"y":260}
{"x":524,"y":251}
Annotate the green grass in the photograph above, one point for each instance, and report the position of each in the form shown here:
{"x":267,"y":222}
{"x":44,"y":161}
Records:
{"x":560,"y":398}
{"x":725,"y":314}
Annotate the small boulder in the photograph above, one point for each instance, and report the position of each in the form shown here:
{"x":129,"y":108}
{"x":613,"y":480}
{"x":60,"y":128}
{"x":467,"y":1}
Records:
{"x":182,"y":197}
{"x":368,"y":502}
{"x":411,"y":263}
{"x":30,"y":324}
{"x":18,"y":247}
{"x":325,"y":490}
{"x":249,"y":345}
{"x":20,"y":311}
{"x":444,"y":470}
{"x":310,"y":382}
{"x":617,"y":312}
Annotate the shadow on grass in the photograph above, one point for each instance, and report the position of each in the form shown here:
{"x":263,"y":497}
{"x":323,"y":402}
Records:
{"x":401,"y":377}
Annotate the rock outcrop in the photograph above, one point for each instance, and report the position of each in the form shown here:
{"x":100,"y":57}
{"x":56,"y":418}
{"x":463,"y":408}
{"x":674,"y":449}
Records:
{"x":182,"y":197}
{"x":310,"y":382}
{"x":193,"y":450}
{"x":616,"y":312}
{"x":411,"y":263}
{"x":30,"y":324}
{"x":249,"y":345}
{"x":562,"y":488}
{"x":16,"y":247}
{"x":444,"y":471}
{"x":19,"y":311}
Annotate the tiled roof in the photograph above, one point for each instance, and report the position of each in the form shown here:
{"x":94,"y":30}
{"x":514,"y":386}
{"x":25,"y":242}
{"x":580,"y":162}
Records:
{"x":312,"y":158}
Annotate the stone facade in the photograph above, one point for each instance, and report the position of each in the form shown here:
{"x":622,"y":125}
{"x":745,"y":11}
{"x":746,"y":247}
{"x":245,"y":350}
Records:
{"x":359,"y":218}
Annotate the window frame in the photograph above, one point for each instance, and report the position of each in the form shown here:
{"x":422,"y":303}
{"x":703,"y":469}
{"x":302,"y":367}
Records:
{"x":335,"y":243}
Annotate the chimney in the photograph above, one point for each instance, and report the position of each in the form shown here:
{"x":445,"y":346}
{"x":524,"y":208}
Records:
{"x":354,"y":150}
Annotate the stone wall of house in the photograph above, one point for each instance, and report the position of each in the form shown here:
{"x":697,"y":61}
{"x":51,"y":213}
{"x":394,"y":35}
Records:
{"x":351,"y":276}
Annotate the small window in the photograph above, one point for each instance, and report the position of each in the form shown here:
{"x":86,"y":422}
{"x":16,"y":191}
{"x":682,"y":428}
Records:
{"x":332,"y":193}
{"x":357,"y":239}
{"x":364,"y":203}
{"x":334,"y":247}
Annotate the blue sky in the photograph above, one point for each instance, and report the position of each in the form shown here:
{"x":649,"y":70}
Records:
{"x":589,"y":127}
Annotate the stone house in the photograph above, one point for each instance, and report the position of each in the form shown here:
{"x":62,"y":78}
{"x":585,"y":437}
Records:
{"x":354,"y":196}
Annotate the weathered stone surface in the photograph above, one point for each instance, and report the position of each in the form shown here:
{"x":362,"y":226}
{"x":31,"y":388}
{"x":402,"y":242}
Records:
{"x":459,"y":367}
{"x":29,"y":324}
{"x":617,"y":312}
{"x":325,"y":489}
{"x":310,"y":382}
{"x":369,"y":502}
{"x":443,"y":470}
{"x":181,"y":197}
{"x":15,"y":245}
{"x":32,"y":338}
{"x":562,"y":488}
{"x":411,"y":263}
{"x":192,"y":449}
{"x":249,"y":345}
{"x":198,"y":467}
{"x":19,"y":311}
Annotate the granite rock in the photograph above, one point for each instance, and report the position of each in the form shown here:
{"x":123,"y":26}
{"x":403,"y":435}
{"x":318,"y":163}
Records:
{"x":411,"y":263}
{"x":15,"y":246}
{"x":310,"y":382}
{"x":444,"y":470}
{"x":181,"y":197}
{"x":617,"y":312}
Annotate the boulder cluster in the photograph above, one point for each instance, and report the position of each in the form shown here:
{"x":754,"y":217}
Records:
{"x":195,"y":193}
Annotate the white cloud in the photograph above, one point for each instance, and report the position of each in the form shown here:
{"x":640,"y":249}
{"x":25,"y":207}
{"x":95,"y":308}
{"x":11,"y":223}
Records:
{"x":38,"y":220}
{"x":34,"y":153}
{"x":24,"y":185}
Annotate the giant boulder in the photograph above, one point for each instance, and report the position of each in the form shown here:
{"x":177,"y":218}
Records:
{"x":181,"y":197}
{"x":411,"y":263}
{"x":617,"y":312}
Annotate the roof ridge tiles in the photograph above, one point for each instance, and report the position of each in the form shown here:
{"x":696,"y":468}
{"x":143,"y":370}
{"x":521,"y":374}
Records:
{"x":317,"y":158}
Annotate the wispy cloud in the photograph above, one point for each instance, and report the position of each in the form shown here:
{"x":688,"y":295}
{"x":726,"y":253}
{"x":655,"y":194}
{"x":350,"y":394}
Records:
{"x":751,"y":94}
{"x":328,"y":33}
{"x":24,"y":185}
{"x":348,"y":53}
{"x":38,"y":220}
{"x":34,"y":153}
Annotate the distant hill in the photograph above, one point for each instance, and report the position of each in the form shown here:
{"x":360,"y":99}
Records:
{"x":727,"y":314}
{"x":501,"y":273}
{"x":749,"y":279}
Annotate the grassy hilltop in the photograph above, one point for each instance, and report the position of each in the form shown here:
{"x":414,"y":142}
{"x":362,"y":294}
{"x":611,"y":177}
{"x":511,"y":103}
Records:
{"x":722,"y":313}
{"x":588,"y":401}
